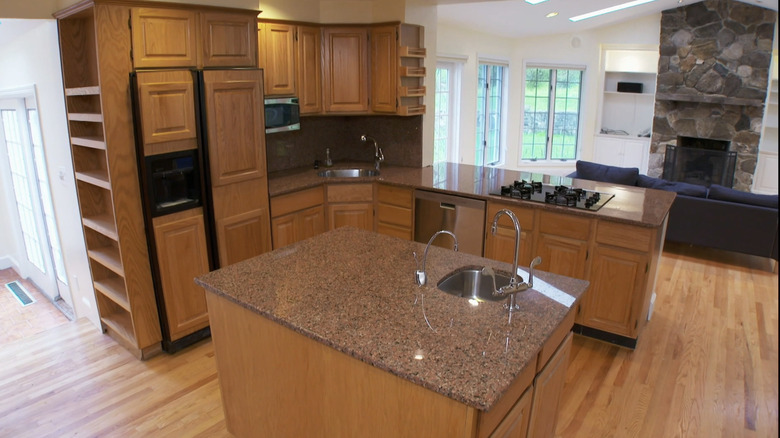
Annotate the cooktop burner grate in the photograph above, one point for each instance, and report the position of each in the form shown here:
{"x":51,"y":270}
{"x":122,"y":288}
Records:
{"x":558,"y":195}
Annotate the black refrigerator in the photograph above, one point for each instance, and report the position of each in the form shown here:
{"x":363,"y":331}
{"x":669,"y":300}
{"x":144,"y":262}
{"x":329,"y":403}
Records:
{"x":200,"y":142}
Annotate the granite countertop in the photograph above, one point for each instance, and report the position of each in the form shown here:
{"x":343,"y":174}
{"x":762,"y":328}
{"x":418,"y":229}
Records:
{"x":354,"y":290}
{"x":634,"y":205}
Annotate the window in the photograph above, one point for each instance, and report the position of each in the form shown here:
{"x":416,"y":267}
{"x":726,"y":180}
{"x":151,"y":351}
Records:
{"x":490,"y":103}
{"x":551,"y":115}
{"x":445,"y":139}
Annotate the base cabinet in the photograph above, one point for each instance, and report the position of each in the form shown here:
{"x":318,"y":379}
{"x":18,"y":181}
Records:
{"x":394,"y":211}
{"x":501,"y":245}
{"x":350,"y":205}
{"x":297,"y":216}
{"x":548,"y":387}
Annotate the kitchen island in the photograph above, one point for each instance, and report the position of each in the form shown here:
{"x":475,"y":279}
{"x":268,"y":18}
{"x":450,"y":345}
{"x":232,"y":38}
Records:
{"x":331,"y":336}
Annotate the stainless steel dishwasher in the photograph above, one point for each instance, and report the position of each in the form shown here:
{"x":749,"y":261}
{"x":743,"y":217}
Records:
{"x":465,"y":217}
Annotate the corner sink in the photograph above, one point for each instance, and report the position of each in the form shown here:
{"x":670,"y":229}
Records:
{"x":347,"y":173}
{"x":468,"y":282}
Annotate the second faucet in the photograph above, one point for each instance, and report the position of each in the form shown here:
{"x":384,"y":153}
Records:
{"x":378,"y":155}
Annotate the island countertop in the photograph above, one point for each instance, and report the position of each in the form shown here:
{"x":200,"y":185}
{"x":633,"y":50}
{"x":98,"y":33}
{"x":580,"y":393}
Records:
{"x":354,"y":290}
{"x":633,"y":205}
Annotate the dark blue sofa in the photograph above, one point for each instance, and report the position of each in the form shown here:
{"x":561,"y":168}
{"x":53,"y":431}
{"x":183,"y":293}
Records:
{"x":715,"y":216}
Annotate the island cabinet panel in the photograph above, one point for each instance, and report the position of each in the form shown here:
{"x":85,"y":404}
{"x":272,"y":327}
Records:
{"x":164,"y":37}
{"x":394,"y":211}
{"x":182,"y":254}
{"x":345,"y":69}
{"x":517,"y":421}
{"x":563,"y":243}
{"x":297,"y":216}
{"x":501,"y":246}
{"x":309,"y":69}
{"x":301,"y":400}
{"x":228,"y":39}
{"x":350,"y":205}
{"x":548,"y":387}
{"x":277,"y":58}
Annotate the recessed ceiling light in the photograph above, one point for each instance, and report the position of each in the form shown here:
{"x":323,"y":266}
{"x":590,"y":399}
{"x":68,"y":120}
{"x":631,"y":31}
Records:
{"x":610,"y":9}
{"x":535,"y":2}
{"x":551,"y":14}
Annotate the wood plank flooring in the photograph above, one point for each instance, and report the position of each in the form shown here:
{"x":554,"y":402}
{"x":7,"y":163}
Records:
{"x":706,"y":366}
{"x":17,"y":321}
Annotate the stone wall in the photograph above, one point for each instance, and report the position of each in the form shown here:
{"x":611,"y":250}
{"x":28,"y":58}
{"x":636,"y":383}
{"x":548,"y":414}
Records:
{"x":713,"y":73}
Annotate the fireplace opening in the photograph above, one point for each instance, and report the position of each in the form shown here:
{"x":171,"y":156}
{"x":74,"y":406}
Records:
{"x":700,"y":161}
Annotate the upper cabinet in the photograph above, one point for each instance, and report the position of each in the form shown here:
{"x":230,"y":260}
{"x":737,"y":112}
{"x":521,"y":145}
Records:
{"x":345,"y":69}
{"x":171,"y":37}
{"x":228,"y":39}
{"x":277,"y":57}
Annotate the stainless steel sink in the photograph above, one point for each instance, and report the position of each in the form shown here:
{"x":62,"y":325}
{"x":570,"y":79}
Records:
{"x":348,"y":173}
{"x":468,"y":282}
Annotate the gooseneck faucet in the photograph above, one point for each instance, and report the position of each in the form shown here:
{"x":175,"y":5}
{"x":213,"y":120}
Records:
{"x":378,"y":155}
{"x":419,"y":275}
{"x":514,"y":285}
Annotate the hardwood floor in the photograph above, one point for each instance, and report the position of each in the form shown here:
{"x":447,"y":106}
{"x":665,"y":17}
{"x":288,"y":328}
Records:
{"x":17,"y":321}
{"x":706,"y":366}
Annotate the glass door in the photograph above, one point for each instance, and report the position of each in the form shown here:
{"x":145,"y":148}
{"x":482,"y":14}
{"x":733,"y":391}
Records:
{"x":22,"y":144}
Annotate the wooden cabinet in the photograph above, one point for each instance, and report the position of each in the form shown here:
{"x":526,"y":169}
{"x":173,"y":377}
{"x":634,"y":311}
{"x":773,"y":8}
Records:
{"x":516,"y":422}
{"x":236,"y":150}
{"x":501,"y":246}
{"x":394,"y":211}
{"x":345,"y":69}
{"x":228,"y":39}
{"x":297,"y":216}
{"x":277,"y":58}
{"x":563,"y":244}
{"x":182,"y":254}
{"x":94,"y":48}
{"x":309,"y":69}
{"x":384,"y":69}
{"x":164,"y":37}
{"x":397,"y":69}
{"x":411,"y":70}
{"x":548,"y":387}
{"x":350,"y":205}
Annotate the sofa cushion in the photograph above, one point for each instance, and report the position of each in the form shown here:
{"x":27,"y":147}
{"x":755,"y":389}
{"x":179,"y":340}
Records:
{"x":611,"y":174}
{"x":731,"y":195}
{"x":648,"y":182}
{"x":684,"y":188}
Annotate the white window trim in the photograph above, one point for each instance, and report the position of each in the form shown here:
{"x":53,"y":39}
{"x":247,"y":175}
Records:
{"x":503,"y":62}
{"x":457,"y":62}
{"x":547,"y":162}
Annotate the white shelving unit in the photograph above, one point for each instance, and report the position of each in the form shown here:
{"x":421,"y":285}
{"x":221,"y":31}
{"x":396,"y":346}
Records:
{"x":765,"y":178}
{"x":625,"y":118}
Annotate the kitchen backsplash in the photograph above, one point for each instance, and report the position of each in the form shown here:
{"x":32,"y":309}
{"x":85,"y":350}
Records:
{"x":399,"y":137}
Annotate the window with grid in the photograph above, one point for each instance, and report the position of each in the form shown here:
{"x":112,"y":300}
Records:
{"x":551,"y":115}
{"x":490,"y":104}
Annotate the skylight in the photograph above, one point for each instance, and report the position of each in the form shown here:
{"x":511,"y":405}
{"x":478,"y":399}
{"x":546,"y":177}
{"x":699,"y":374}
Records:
{"x":609,"y":9}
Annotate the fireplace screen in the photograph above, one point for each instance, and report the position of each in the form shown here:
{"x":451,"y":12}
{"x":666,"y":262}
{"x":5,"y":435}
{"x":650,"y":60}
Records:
{"x":699,"y":166}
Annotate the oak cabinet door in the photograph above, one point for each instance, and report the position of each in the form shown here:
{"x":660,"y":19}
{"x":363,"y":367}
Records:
{"x":182,"y":255}
{"x":358,"y":215}
{"x":167,"y":110}
{"x":309,"y":69}
{"x":548,"y":388}
{"x":384,"y":69}
{"x":235,"y":116}
{"x":345,"y":64}
{"x":242,"y":236}
{"x":562,"y":255}
{"x":163,"y":37}
{"x":228,"y":39}
{"x":278,"y":41}
{"x":516,"y":422}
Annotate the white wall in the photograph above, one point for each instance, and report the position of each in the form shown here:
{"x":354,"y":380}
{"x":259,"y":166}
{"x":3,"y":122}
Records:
{"x":556,"y":49}
{"x":19,"y":69}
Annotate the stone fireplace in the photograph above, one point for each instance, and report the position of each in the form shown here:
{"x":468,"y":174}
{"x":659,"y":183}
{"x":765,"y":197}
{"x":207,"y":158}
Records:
{"x":713,"y":74}
{"x":700,"y":161}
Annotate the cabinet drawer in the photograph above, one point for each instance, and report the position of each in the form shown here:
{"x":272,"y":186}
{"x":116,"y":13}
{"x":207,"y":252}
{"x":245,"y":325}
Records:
{"x":394,"y":215}
{"x":564,"y":225}
{"x":301,"y":200}
{"x":624,"y":235}
{"x":397,"y":196}
{"x":350,"y":193}
{"x":524,"y":215}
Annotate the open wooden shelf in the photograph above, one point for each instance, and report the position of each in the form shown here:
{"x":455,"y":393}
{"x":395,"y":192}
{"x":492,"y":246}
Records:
{"x":411,"y":52}
{"x":412,"y":91}
{"x":114,"y":289}
{"x":90,"y":142}
{"x":82,"y":91}
{"x":412,"y":72}
{"x":109,"y":257}
{"x":103,"y":224}
{"x":411,"y":110}
{"x":95,"y":177}
{"x":86,"y":117}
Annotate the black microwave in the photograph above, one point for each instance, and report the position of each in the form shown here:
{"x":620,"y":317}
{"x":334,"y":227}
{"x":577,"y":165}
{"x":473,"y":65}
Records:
{"x":282,"y":114}
{"x":173,"y":182}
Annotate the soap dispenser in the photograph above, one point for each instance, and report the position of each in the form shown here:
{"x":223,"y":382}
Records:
{"x":328,"y":161}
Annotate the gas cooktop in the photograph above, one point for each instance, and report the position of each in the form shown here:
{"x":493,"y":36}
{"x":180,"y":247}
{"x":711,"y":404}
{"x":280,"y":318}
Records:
{"x":556,"y":195}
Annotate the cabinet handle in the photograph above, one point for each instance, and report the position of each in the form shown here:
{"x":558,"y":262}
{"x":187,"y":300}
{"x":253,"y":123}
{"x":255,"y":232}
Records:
{"x":587,"y":254}
{"x":447,"y":206}
{"x":647,"y":267}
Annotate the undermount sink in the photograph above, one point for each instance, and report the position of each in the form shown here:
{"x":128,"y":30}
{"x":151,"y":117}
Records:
{"x":470,"y":283}
{"x":347,"y":173}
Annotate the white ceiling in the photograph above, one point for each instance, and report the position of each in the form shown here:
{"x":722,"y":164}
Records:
{"x":517,"y":19}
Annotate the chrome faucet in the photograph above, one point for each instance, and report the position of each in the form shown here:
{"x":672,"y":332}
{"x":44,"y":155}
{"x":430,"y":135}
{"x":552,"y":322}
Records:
{"x":514,"y":285}
{"x":419,"y":275}
{"x":378,"y":155}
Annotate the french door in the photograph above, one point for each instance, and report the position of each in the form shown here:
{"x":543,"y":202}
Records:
{"x":21,"y":149}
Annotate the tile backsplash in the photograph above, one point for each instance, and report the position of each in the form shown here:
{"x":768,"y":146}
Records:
{"x":399,"y":137}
